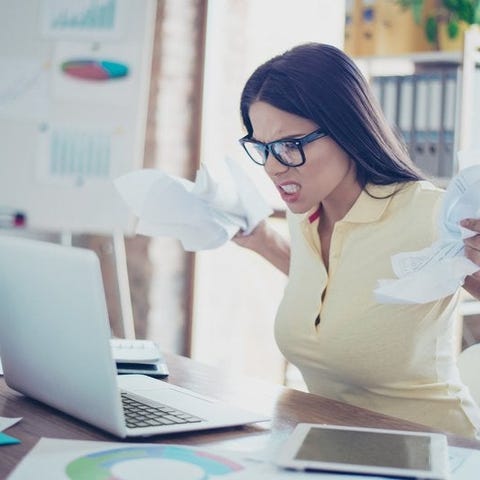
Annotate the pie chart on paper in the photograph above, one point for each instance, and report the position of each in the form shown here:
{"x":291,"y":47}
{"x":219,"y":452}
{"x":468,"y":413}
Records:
{"x":94,"y":70}
{"x":151,"y":462}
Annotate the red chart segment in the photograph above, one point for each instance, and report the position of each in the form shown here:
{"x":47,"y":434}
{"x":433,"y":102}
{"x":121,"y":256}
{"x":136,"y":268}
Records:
{"x":96,"y":70}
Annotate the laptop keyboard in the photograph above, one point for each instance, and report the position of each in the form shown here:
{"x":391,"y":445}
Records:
{"x":140,"y":414}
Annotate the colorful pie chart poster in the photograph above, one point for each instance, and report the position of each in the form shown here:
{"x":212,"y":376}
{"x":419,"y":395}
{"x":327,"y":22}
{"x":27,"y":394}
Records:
{"x":94,"y":70}
{"x":105,"y":80}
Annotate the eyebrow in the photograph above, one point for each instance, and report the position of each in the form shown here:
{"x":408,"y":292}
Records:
{"x":293,"y":136}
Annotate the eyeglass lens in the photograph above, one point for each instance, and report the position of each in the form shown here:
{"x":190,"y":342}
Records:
{"x":286,"y":152}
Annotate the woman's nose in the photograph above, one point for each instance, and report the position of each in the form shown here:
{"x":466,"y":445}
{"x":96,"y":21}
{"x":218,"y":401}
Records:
{"x":273,"y":166}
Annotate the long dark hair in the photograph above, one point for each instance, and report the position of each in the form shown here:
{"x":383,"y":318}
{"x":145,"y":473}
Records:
{"x":321,"y":83}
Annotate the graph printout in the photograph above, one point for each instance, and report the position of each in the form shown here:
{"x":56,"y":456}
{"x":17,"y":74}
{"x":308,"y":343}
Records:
{"x":102,"y":19}
{"x":74,"y":460}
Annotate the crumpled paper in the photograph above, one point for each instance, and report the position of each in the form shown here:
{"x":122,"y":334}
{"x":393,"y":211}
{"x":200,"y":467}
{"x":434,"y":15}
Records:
{"x":203,"y":214}
{"x":439,"y":270}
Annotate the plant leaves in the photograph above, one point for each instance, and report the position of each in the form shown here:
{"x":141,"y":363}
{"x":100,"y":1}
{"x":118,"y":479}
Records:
{"x":415,"y":5}
{"x":431,"y":29}
{"x":453,"y":28}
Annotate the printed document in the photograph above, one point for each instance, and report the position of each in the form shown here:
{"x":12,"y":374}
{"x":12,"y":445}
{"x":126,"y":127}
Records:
{"x":203,"y":214}
{"x":439,"y":270}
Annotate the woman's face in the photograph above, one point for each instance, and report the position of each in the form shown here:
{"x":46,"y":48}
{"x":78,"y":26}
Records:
{"x":328,"y":172}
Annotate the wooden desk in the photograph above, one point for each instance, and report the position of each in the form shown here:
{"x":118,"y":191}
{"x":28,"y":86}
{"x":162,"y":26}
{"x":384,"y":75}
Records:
{"x":287,"y":407}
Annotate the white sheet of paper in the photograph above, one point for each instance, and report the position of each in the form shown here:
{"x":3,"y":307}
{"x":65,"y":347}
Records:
{"x":203,"y":214}
{"x":6,"y":422}
{"x":439,"y":270}
{"x":464,"y":463}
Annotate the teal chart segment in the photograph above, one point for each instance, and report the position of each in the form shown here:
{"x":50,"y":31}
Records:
{"x":91,"y":69}
{"x":99,"y":465}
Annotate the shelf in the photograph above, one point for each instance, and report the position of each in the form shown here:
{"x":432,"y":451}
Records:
{"x":407,"y":64}
{"x":416,"y":57}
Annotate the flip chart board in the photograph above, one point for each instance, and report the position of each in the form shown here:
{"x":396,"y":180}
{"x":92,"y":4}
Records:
{"x":74,"y":87}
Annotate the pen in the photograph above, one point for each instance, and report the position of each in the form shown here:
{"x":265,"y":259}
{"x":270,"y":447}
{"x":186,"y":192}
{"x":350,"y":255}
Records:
{"x":13,"y":219}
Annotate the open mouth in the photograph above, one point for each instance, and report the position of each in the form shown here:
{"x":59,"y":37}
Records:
{"x":289,"y":188}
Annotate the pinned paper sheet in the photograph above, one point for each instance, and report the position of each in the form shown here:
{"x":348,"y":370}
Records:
{"x":439,"y":270}
{"x":203,"y":214}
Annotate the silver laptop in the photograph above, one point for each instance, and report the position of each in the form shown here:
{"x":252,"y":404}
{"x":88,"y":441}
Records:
{"x":55,"y":347}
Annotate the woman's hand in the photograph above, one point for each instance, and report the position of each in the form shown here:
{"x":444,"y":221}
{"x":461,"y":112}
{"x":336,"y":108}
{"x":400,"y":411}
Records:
{"x":472,"y":251}
{"x":254,"y":239}
{"x":268,"y":243}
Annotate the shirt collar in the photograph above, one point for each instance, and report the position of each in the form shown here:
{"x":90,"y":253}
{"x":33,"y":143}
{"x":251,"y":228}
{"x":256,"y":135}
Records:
{"x":366,"y":208}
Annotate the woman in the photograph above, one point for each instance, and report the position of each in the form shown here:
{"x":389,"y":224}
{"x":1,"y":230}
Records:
{"x":354,"y":200}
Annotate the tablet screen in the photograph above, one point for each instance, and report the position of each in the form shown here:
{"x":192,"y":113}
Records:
{"x":366,"y":448}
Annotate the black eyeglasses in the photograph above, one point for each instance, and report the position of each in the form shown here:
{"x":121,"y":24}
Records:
{"x":288,"y":152}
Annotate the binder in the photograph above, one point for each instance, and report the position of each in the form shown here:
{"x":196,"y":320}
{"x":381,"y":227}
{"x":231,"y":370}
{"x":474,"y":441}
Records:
{"x":390,"y":99}
{"x":447,"y":166}
{"x":420,"y":136}
{"x":434,"y":82}
{"x":376,"y":87}
{"x":385,"y":89}
{"x":405,"y":110}
{"x":422,"y":108}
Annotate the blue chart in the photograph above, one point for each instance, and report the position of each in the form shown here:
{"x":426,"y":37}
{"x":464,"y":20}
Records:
{"x":82,"y":15}
{"x":164,"y":461}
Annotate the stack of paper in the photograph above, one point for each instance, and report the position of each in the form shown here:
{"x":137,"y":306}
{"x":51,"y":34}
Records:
{"x":203,"y":214}
{"x":439,"y":270}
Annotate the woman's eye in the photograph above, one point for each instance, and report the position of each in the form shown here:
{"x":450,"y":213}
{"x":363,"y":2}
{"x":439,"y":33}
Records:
{"x":286,"y":146}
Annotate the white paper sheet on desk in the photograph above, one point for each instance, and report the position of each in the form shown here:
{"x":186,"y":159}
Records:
{"x":203,"y":214}
{"x":439,"y":270}
{"x":7,"y":422}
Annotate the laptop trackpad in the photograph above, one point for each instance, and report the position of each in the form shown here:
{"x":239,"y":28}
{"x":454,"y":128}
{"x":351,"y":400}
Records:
{"x":165,"y":393}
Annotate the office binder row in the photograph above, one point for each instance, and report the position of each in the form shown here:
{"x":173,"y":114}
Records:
{"x":422,"y":109}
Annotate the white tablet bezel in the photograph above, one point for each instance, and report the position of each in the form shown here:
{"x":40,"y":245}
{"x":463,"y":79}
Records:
{"x":438,"y":454}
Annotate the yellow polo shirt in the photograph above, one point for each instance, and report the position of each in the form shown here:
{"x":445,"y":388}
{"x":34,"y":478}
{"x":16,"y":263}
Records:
{"x":395,"y":359}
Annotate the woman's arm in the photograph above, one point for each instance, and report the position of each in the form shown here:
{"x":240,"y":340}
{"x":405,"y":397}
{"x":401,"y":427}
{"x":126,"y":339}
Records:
{"x":472,"y":251}
{"x":268,"y":243}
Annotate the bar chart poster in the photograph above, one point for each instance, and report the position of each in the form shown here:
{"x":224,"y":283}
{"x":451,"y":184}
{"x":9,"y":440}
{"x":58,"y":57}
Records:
{"x":103,"y":19}
{"x":72,"y":156}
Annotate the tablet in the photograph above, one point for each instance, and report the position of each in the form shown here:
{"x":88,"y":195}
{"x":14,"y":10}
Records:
{"x":366,"y":451}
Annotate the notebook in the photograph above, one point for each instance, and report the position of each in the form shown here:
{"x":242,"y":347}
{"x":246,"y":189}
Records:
{"x":55,"y":348}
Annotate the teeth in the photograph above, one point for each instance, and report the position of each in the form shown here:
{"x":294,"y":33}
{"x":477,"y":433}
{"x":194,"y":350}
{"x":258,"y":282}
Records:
{"x":291,"y":188}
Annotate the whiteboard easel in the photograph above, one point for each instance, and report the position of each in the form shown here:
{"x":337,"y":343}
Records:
{"x":120,"y":258}
{"x":68,"y":128}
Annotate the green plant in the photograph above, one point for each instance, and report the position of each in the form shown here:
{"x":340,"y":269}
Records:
{"x":447,"y":12}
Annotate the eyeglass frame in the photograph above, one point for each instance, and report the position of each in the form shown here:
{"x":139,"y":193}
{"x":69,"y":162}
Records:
{"x":298,"y":142}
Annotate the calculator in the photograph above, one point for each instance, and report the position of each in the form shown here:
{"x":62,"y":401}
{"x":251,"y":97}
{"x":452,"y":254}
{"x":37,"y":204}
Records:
{"x":138,"y":356}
